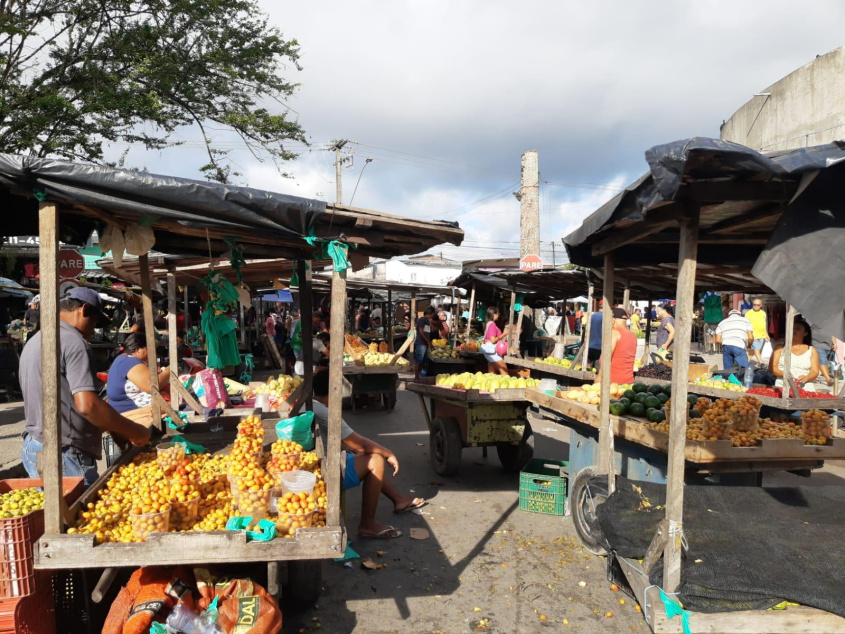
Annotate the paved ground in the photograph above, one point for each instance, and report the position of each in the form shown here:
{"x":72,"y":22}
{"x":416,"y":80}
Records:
{"x":484,"y":559}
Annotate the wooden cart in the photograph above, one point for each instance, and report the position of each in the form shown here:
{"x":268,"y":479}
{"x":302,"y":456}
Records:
{"x":468,"y":418}
{"x":363,"y":382}
{"x":548,"y":370}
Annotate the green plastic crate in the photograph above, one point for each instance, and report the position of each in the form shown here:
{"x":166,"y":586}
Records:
{"x":542,"y":486}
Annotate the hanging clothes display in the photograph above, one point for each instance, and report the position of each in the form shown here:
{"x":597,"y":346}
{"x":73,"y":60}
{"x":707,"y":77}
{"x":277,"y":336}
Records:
{"x":217,"y":325}
{"x":712,"y":307}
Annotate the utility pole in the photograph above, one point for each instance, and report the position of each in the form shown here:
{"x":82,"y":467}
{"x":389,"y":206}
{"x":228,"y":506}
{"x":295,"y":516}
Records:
{"x":338,"y":162}
{"x":554,"y":262}
{"x":529,"y":205}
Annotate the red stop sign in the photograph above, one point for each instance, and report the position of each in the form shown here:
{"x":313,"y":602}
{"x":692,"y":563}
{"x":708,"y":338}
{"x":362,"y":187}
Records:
{"x":71,"y":264}
{"x":531,"y":262}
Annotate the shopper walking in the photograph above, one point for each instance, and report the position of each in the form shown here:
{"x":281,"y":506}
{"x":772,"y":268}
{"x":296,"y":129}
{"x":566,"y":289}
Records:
{"x":760,"y":323}
{"x":735,"y":333}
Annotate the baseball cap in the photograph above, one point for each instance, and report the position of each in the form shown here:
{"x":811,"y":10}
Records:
{"x":92,"y":298}
{"x":620,"y":313}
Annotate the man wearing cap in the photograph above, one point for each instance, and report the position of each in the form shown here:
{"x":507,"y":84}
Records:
{"x":84,"y":415}
{"x":735,"y":333}
{"x":623,"y":350}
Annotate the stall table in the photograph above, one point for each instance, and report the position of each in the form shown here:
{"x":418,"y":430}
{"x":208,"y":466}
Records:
{"x":469,"y":418}
{"x":551,"y":370}
{"x":360,"y":381}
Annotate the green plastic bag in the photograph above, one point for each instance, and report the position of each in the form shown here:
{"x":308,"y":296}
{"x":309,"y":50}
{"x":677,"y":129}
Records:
{"x":298,"y":430}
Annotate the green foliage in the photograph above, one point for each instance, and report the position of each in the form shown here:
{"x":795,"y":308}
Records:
{"x":75,"y":74}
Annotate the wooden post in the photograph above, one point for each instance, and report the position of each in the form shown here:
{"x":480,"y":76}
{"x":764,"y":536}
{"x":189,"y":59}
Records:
{"x":241,"y":324}
{"x":606,"y":444}
{"x":306,"y":308}
{"x":187,"y":311}
{"x":510,"y":321}
{"x":786,"y":355}
{"x":626,"y":297}
{"x":171,"y":337}
{"x":685,"y":295}
{"x":586,"y":346}
{"x":471,"y":310}
{"x":389,"y":325}
{"x":455,"y":321}
{"x":149,"y":330}
{"x":51,"y":386}
{"x":645,"y":358}
{"x":332,"y":472}
{"x":413,"y":323}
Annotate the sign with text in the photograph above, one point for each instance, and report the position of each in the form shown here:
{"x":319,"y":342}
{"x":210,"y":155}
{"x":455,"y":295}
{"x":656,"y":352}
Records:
{"x":531,"y":262}
{"x":71,"y":264}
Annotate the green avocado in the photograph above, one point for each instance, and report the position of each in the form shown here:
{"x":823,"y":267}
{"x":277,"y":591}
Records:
{"x":655,"y":415}
{"x":642,"y":397}
{"x":662,"y":398}
{"x":625,"y":401}
{"x":655,"y":389}
{"x":639,"y":387}
{"x":617,"y":408}
{"x":692,"y":398}
{"x":631,"y":395}
{"x":636,"y":409}
{"x":653,"y":402}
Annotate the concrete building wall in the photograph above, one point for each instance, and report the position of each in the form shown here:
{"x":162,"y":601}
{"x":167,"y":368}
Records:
{"x":807,"y":107}
{"x":407,"y":273}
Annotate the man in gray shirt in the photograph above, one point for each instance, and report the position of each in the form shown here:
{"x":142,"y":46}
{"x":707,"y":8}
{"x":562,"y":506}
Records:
{"x":84,"y":415}
{"x":365,"y":466}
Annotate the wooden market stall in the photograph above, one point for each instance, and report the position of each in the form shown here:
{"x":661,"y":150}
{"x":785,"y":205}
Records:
{"x":708,"y":211}
{"x":55,"y":199}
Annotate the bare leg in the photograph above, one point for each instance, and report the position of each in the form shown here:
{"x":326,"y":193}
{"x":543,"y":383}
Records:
{"x":393,"y":494}
{"x":500,"y":367}
{"x":370,"y":468}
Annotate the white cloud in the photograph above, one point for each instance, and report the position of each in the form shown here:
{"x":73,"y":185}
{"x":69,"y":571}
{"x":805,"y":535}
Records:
{"x":590,"y":85}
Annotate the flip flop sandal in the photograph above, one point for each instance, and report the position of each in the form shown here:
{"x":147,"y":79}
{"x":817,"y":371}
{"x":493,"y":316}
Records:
{"x":388,"y":533}
{"x":415,"y":504}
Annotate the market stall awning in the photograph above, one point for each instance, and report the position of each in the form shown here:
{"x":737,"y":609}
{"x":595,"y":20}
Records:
{"x":282,"y":296}
{"x":191,"y":216}
{"x":767,"y":222}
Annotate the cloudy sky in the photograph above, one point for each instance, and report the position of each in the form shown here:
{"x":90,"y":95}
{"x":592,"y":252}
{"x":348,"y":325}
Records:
{"x":445,"y":97}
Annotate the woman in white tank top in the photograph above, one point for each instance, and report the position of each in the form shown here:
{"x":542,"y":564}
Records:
{"x":804,"y":364}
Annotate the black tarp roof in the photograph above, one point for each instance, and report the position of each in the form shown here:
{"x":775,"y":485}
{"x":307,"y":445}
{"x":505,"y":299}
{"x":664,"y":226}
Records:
{"x":779,"y":217}
{"x":189,"y":214}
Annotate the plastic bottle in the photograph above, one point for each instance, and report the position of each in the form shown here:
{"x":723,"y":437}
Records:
{"x":748,"y":379}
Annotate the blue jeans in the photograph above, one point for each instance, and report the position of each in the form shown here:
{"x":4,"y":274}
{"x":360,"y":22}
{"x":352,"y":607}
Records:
{"x":74,"y":463}
{"x":823,"y":360}
{"x":731,"y":354}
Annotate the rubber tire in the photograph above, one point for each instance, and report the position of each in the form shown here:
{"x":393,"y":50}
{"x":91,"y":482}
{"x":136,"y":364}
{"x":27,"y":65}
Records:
{"x":588,"y":487}
{"x":444,"y":446}
{"x":515,"y":457}
{"x":389,"y":400}
{"x":305,"y":580}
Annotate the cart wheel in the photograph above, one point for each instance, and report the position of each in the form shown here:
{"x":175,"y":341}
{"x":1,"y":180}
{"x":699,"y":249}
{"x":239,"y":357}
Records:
{"x":588,"y":491}
{"x":305,"y":580}
{"x":514,"y":457}
{"x":389,"y":399}
{"x":445,"y":445}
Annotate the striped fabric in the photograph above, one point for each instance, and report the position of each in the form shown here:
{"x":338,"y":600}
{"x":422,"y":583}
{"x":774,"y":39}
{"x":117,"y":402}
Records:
{"x":734,"y":331}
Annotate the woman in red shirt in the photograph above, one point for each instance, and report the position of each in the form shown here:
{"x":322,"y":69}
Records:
{"x":623,"y":350}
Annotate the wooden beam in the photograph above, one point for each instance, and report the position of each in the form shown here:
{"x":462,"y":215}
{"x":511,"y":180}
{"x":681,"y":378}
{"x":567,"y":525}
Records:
{"x":708,"y":192}
{"x":518,"y":351}
{"x":51,"y":385}
{"x":335,"y":405}
{"x":149,"y":331}
{"x":171,"y":339}
{"x":511,"y":309}
{"x":471,"y":310}
{"x":633,"y":234}
{"x":786,"y":355}
{"x":746,"y":220}
{"x":390,"y":313}
{"x":306,"y":299}
{"x":606,"y":448}
{"x":685,"y":297}
{"x":586,"y":345}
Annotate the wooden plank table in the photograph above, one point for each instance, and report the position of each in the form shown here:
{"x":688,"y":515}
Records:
{"x":632,"y":429}
{"x":770,"y":401}
{"x":64,"y":551}
{"x":467,"y":396}
{"x":548,"y":368}
{"x":793,"y":620}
